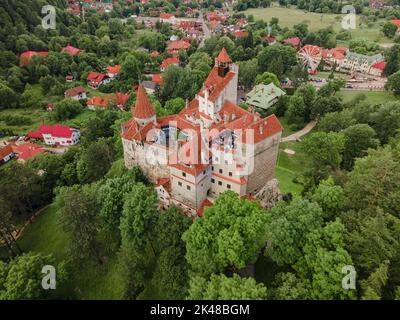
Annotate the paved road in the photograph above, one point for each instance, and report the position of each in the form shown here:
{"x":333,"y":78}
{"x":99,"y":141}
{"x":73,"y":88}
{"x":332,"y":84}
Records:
{"x":297,"y":135}
{"x":206,"y":30}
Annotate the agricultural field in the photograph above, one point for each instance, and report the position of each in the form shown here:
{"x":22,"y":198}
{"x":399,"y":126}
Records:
{"x":288,"y":17}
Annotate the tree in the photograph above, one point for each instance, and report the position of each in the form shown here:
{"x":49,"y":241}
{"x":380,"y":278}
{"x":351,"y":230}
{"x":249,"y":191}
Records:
{"x":247,"y":72}
{"x":372,"y":287}
{"x":329,"y":197}
{"x":359,"y":138}
{"x":171,"y":273}
{"x":325,"y":149}
{"x":288,"y":227}
{"x":139,"y":217}
{"x":288,"y":286}
{"x":112,"y":195}
{"x":308,"y":93}
{"x":30,"y":97}
{"x":336,"y":121}
{"x":21,"y":278}
{"x":323,"y":105}
{"x":375,"y":181}
{"x":393,"y":83}
{"x":280,"y":58}
{"x":296,"y":110}
{"x":78,"y":218}
{"x":8,"y":98}
{"x":386,"y":121}
{"x":267,"y":78}
{"x":89,"y":168}
{"x":66,"y":109}
{"x":174,"y":106}
{"x":389,"y":29}
{"x":231,"y":233}
{"x":221,"y":287}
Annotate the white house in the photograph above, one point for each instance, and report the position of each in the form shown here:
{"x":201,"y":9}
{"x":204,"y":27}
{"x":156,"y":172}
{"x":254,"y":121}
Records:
{"x":59,"y":135}
{"x":77,"y":93}
{"x":6,"y":154}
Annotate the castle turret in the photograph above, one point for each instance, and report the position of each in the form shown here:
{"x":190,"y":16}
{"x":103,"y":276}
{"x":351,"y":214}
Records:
{"x":223,"y":62}
{"x":143,"y":112}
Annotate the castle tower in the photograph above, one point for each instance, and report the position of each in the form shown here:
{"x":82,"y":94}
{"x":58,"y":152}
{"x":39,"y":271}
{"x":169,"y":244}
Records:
{"x":223,"y":63}
{"x":143,"y":112}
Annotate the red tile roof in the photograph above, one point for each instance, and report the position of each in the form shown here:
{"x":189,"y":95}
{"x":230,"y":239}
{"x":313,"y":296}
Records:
{"x":396,"y":22}
{"x":168,"y":62}
{"x":178,"y":45}
{"x":295,"y":41}
{"x":114,"y":69}
{"x":205,"y":203}
{"x":121,"y":98}
{"x":34,"y":135}
{"x":26,"y":57}
{"x":95,"y":77}
{"x":57,"y":130}
{"x":166,"y":15}
{"x":379,"y":65}
{"x":157,"y":78}
{"x":27,"y":150}
{"x":165,"y":182}
{"x":75,"y":91}
{"x":240,"y":34}
{"x":223,"y":56}
{"x":72,"y":50}
{"x":143,"y":107}
{"x":215,"y":84}
{"x":154,"y":54}
{"x":98,"y":101}
{"x":4,"y":152}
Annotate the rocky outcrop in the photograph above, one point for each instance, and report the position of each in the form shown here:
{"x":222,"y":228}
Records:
{"x":270,"y":194}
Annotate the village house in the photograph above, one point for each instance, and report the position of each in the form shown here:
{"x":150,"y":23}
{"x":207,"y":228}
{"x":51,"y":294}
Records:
{"x":71,"y":50}
{"x":173,"y":47}
{"x":295,"y":42}
{"x":195,"y":155}
{"x":96,"y":79}
{"x":77,"y":93}
{"x":25,"y":57}
{"x":113,"y":71}
{"x":167,"y":18}
{"x":167,"y":62}
{"x":27,"y":151}
{"x":95,"y":103}
{"x":355,"y":62}
{"x":58,"y":135}
{"x":264,"y":96}
{"x":6,"y":154}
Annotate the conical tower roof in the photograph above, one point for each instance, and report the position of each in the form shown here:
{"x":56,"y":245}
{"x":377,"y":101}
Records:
{"x":143,"y":107}
{"x":224,"y":57}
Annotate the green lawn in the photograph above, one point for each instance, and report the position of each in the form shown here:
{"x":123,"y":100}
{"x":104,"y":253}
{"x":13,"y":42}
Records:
{"x":90,"y":282}
{"x":373,"y":97}
{"x":286,"y":127}
{"x":291,"y":167}
{"x":288,"y":17}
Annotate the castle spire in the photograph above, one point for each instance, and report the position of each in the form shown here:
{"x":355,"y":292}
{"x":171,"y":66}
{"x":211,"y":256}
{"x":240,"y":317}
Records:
{"x":224,"y":57}
{"x":144,"y":111}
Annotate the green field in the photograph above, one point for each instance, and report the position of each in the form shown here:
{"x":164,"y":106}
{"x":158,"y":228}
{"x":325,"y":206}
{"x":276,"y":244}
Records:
{"x":373,"y":97}
{"x":288,"y":17}
{"x":291,"y":167}
{"x":90,"y":282}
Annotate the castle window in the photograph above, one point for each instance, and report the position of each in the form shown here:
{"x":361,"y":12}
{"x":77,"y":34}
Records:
{"x":228,"y":186}
{"x":220,"y":183}
{"x":204,"y":172}
{"x":212,"y":168}
{"x":179,"y":183}
{"x":220,"y":170}
{"x":212,"y":180}
{"x":230,"y":174}
{"x":188,"y":187}
{"x":184,"y":174}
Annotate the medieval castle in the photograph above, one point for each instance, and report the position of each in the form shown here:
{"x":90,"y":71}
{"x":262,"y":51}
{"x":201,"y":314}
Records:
{"x":210,"y":146}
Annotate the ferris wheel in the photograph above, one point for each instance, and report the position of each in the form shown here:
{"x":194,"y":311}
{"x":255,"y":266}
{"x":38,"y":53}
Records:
{"x":311,"y":57}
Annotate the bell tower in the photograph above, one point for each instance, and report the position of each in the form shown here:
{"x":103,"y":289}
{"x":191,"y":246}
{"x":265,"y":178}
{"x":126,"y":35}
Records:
{"x":223,"y":63}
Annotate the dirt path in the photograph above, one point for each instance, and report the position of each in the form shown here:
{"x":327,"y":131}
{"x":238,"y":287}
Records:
{"x":297,"y":135}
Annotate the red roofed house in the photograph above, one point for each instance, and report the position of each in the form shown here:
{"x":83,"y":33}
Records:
{"x":27,"y":150}
{"x":77,"y":93}
{"x":6,"y":153}
{"x":173,"y":47}
{"x":95,"y":103}
{"x":377,"y":68}
{"x":157,"y":78}
{"x":120,"y":99}
{"x":239,"y":34}
{"x":168,"y":18}
{"x":96,"y":79}
{"x":295,"y":42}
{"x":59,"y":135}
{"x":71,"y":50}
{"x":112,"y":72}
{"x":396,"y":22}
{"x":195,"y":155}
{"x":167,"y":62}
{"x":26,"y":57}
